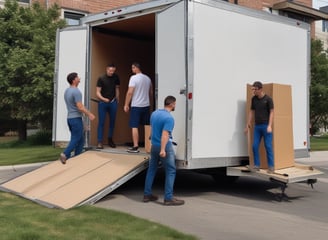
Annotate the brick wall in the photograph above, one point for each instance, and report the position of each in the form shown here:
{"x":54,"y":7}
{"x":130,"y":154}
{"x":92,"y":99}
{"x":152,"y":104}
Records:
{"x":90,"y":6}
{"x":260,"y":4}
{"x":94,"y":6}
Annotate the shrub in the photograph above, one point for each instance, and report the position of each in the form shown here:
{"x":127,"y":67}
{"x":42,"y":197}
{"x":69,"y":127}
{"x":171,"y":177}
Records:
{"x":42,"y":137}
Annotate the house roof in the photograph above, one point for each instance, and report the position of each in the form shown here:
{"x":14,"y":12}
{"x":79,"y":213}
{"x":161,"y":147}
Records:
{"x":293,"y":7}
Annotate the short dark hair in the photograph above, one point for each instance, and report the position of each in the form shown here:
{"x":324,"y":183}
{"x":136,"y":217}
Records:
{"x":257,"y":84}
{"x":111,"y":65}
{"x":168,"y":100}
{"x":71,"y":77}
{"x":137,"y":65}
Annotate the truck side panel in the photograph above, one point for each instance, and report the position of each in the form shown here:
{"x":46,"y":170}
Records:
{"x":170,"y":67}
{"x":233,"y":47}
{"x":71,"y":57}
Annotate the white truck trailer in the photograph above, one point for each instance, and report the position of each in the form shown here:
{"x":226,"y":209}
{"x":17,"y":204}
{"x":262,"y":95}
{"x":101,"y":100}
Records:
{"x":203,"y":52}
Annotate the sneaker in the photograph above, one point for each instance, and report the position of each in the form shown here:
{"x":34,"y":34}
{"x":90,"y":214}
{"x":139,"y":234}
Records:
{"x":62,"y":158}
{"x":133,"y":150}
{"x":111,"y":143}
{"x":151,"y":197}
{"x":174,"y":202}
{"x":100,"y":146}
{"x":270,"y":170}
{"x":254,"y":168}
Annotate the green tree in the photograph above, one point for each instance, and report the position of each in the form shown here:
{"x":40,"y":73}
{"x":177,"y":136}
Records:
{"x":319,"y":86}
{"x":27,"y":56}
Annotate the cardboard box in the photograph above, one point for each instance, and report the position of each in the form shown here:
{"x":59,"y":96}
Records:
{"x":283,"y":145}
{"x":147,"y":138}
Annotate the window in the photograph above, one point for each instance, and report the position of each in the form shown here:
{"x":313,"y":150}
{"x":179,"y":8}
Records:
{"x":73,"y":18}
{"x":24,"y":1}
{"x":324,"y":26}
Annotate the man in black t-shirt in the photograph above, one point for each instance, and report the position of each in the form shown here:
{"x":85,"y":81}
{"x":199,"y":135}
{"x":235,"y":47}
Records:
{"x":108,"y":93}
{"x":262,"y":112}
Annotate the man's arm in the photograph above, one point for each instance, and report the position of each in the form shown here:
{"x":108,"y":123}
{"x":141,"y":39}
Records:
{"x":82,"y":109}
{"x":164,"y":140}
{"x":128,"y":98}
{"x":151,"y":95}
{"x":249,"y":121}
{"x":117,"y":93}
{"x":99,"y":96}
{"x":269,"y":129}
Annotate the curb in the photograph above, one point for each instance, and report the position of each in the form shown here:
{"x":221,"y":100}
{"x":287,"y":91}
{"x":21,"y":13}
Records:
{"x":22,"y":166}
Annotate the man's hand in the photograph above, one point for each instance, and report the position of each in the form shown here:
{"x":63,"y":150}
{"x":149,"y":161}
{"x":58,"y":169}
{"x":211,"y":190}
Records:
{"x":162,"y":153}
{"x":269,"y":129}
{"x":91,"y":116}
{"x":246,"y":128}
{"x":126,"y":109}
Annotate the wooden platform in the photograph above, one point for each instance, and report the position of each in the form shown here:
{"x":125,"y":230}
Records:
{"x":298,"y":173}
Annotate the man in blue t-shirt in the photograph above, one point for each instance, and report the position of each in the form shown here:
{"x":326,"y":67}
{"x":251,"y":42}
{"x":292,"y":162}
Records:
{"x":162,"y":124}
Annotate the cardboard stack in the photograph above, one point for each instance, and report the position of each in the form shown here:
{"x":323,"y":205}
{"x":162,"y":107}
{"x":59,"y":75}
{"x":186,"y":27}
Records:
{"x":283,"y":146}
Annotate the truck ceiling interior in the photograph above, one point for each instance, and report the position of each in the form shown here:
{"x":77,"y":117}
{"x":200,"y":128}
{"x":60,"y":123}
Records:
{"x":122,"y":43}
{"x":137,"y":28}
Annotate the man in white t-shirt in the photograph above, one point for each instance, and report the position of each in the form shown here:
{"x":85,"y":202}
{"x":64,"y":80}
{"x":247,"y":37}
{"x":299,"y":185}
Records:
{"x":139,"y":94}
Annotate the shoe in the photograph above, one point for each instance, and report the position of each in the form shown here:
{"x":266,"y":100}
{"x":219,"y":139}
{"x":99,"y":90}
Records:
{"x":62,"y":158}
{"x":151,"y":197}
{"x":133,"y":150}
{"x":270,"y":170}
{"x":174,"y":202}
{"x":254,"y":168}
{"x":100,"y":146}
{"x":111,"y":143}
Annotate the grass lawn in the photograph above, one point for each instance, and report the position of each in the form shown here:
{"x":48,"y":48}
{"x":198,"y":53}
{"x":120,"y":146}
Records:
{"x":31,"y":154}
{"x":319,"y":143}
{"x":13,"y":152}
{"x":24,"y":220}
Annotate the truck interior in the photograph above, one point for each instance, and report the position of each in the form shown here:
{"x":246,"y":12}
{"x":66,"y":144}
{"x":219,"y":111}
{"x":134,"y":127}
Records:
{"x":121,"y":42}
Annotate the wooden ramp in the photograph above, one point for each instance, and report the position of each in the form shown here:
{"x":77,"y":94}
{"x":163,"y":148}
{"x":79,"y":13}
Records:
{"x":85,"y":178}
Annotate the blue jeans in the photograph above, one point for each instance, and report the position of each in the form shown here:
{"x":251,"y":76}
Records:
{"x":260,"y":130}
{"x":170,"y":170}
{"x":111,"y":109}
{"x":76,"y":143}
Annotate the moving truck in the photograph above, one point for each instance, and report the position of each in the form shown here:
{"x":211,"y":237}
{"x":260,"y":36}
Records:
{"x":203,"y":52}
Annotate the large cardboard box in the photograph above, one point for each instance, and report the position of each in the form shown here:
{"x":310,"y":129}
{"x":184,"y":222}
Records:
{"x":283,"y":146}
{"x":147,"y":138}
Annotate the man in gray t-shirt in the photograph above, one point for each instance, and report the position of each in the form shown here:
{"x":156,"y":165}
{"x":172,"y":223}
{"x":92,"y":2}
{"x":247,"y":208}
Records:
{"x":75,"y":109}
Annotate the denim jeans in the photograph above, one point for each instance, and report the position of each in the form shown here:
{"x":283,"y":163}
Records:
{"x":76,"y":143}
{"x":170,"y":170}
{"x":260,"y":130}
{"x":111,"y":109}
